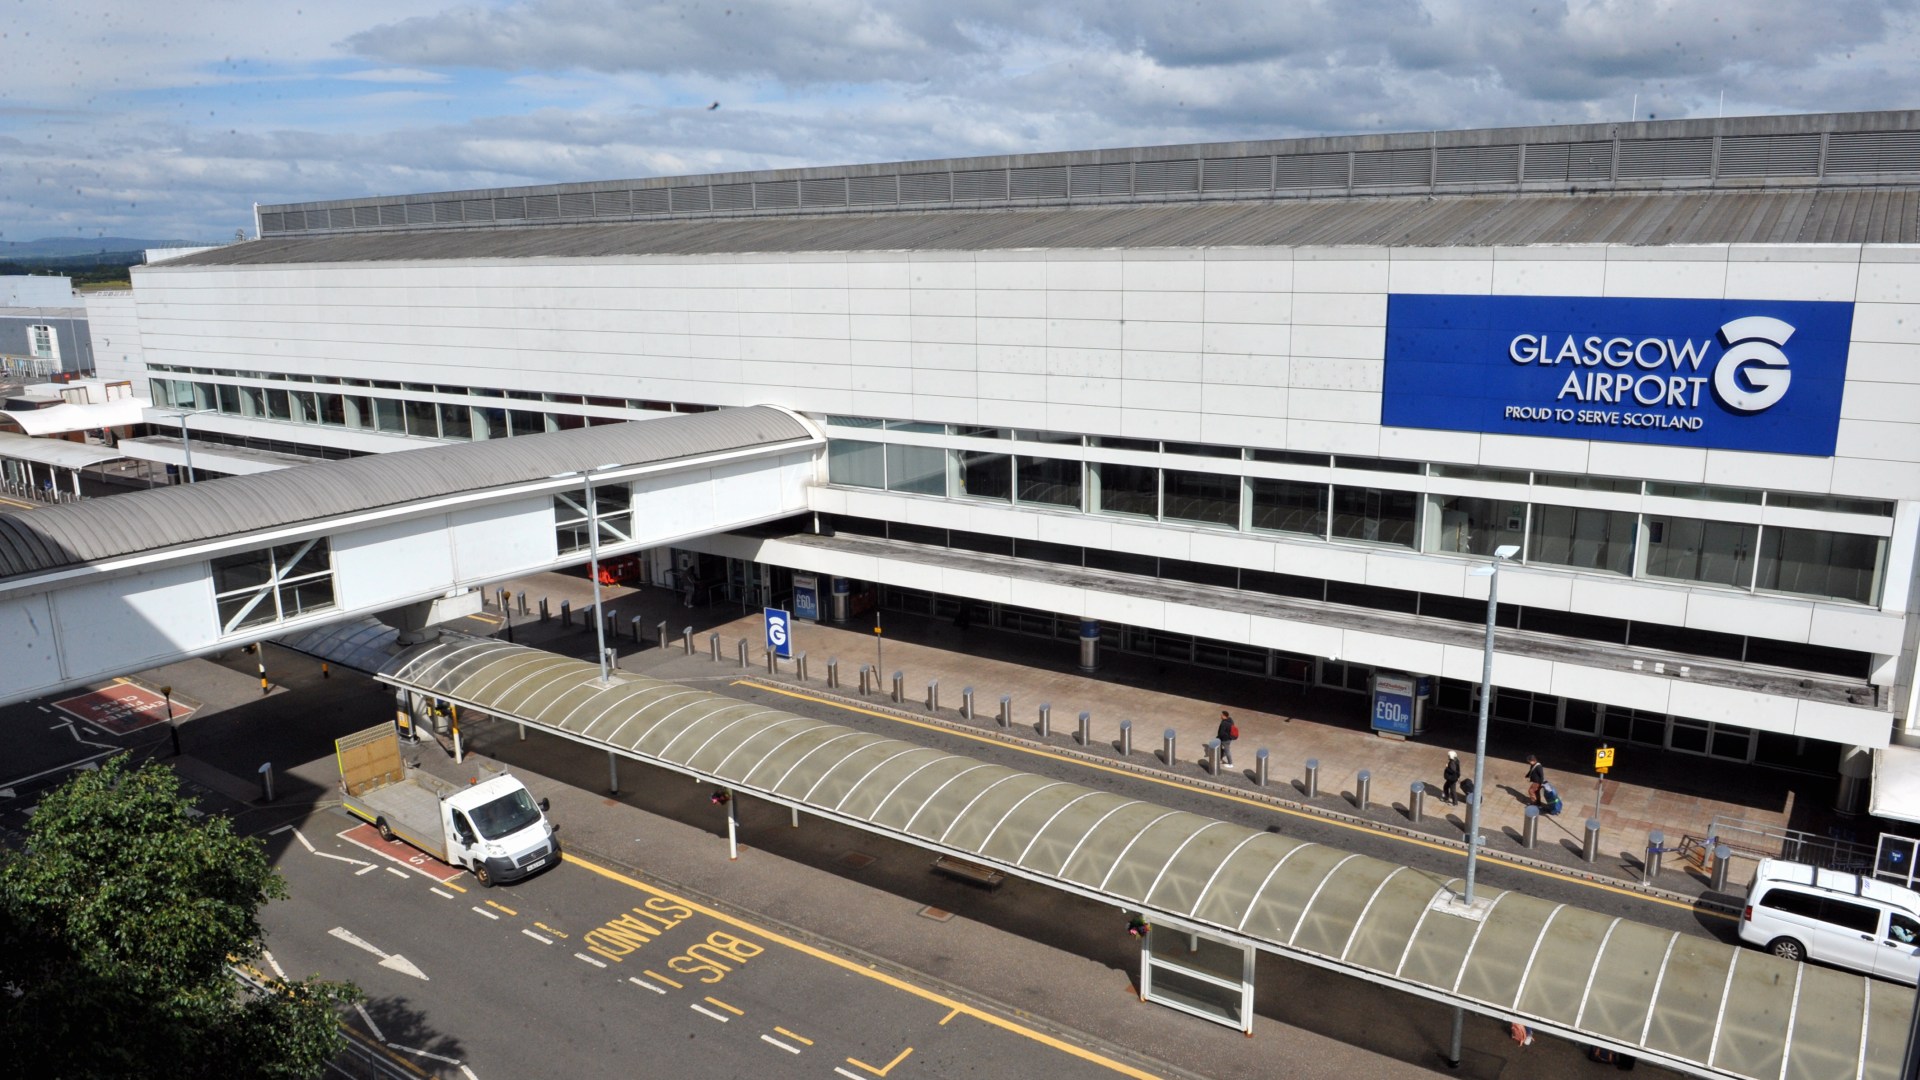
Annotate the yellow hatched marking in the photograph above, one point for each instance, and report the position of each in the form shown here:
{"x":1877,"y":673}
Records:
{"x":718,"y":1004}
{"x":664,"y":979}
{"x":795,"y":1038}
{"x":881,"y":1071}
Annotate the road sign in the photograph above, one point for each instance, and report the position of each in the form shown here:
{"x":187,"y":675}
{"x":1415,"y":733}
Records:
{"x":1603,"y":760}
{"x":779,"y":632}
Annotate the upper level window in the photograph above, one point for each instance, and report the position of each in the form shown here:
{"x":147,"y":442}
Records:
{"x":273,"y":584}
{"x":42,"y":342}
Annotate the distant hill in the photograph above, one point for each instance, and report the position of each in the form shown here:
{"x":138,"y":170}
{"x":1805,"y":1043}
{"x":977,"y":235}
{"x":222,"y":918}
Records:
{"x":56,"y":247}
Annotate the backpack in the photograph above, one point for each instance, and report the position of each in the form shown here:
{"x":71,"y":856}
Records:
{"x":1233,"y":731}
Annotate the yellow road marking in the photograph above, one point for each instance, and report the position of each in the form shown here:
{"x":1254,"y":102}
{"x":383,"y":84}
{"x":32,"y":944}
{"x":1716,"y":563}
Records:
{"x":885,"y":1071}
{"x":795,"y":1038}
{"x":718,"y":1004}
{"x":949,"y":1016}
{"x":1230,"y":797}
{"x":878,"y":976}
{"x":551,"y":930}
{"x":497,"y":904}
{"x":452,"y":886}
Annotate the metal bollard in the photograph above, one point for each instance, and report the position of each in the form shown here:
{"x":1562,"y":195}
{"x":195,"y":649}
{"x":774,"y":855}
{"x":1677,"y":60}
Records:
{"x":713,"y":643}
{"x":1417,"y":802}
{"x":1006,"y":711}
{"x":1213,"y":756}
{"x":833,"y":673}
{"x":773,"y":662}
{"x":500,"y":599}
{"x":1530,"y":827}
{"x":633,"y":626}
{"x":1045,"y":725}
{"x":1126,"y":738}
{"x":544,"y":614}
{"x":523,"y":603}
{"x":686,"y":639}
{"x":743,"y":652}
{"x":933,"y":695}
{"x":1086,"y":729}
{"x":613,"y":624}
{"x":966,"y":703}
{"x":866,"y":675}
{"x":1722,"y":860}
{"x":1362,"y":789}
{"x":1260,"y":767}
{"x":1168,"y":746}
{"x":613,"y":659}
{"x":266,"y":782}
{"x":661,"y":630}
{"x":1590,"y":847}
{"x":1313,"y":778}
{"x":1650,"y":868}
{"x":800,"y":667}
{"x":899,"y":687}
{"x":566,"y":613}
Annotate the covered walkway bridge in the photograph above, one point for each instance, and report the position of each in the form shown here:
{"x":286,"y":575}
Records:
{"x":97,"y":588}
{"x":1227,"y":892}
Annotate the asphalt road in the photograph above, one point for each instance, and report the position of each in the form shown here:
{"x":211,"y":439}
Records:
{"x":592,"y":970}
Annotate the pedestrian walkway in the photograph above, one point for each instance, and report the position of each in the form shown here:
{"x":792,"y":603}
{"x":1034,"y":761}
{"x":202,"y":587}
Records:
{"x":1650,"y":790}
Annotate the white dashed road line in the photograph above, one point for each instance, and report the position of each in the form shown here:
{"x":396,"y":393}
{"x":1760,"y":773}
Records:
{"x":371,"y":1026}
{"x":709,"y":1012}
{"x":645,"y":985}
{"x":590,"y":960}
{"x":441,"y":892}
{"x":483,"y":911}
{"x":541,"y":938}
{"x":778,"y":1043}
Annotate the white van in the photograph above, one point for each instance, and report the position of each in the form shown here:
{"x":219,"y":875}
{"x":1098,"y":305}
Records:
{"x":1800,"y":912}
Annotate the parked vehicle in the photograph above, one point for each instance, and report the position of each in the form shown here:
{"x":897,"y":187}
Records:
{"x":492,"y":827}
{"x":1801,"y":912}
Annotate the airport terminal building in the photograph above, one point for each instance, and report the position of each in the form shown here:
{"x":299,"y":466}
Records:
{"x":1258,"y":406}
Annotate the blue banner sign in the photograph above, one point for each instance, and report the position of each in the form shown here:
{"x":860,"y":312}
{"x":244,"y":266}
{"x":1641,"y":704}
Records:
{"x":806,"y":597}
{"x":779,"y":632}
{"x":1761,"y":375}
{"x":1393,"y":703}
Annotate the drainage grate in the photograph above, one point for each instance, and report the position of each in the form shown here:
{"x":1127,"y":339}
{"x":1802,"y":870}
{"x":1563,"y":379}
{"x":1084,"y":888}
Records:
{"x":855,"y":860}
{"x":936,"y":914}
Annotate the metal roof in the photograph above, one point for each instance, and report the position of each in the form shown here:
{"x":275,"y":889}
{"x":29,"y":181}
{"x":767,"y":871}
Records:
{"x":1787,"y":216}
{"x":165,"y":517}
{"x":58,"y":452}
{"x":1695,"y":1004}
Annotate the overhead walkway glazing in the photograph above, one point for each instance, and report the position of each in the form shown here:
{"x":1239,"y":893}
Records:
{"x":1696,"y":1005}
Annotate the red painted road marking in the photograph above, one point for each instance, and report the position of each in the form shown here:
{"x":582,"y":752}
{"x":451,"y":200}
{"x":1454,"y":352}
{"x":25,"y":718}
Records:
{"x":412,"y":858}
{"x":121,"y":708}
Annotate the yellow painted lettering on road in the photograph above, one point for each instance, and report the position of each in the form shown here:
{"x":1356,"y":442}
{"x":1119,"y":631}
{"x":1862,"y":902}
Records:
{"x":884,"y":1070}
{"x":617,"y":938}
{"x":710,"y":956}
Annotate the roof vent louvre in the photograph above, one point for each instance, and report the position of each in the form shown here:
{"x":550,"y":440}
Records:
{"x":1477,"y":165}
{"x":777,"y":193}
{"x":1873,"y":151}
{"x":1167,"y":176}
{"x":1310,"y":171}
{"x":393,"y":213}
{"x":1666,"y":157}
{"x":925,"y":187}
{"x":446,"y":210}
{"x":509,"y":209}
{"x":1042,"y":182}
{"x":543,"y":207}
{"x":366,"y":217}
{"x":576,"y":204}
{"x":736,"y":196}
{"x":613,"y":202}
{"x":1113,"y":179}
{"x":476,"y":209}
{"x":420,"y":213}
{"x":828,"y":192}
{"x":694,"y":198}
{"x":1237,"y":174}
{"x":980,"y":184}
{"x":653,"y":200}
{"x":1770,"y":155}
{"x":1569,"y":161}
{"x":1392,"y":168}
{"x":869,"y":190}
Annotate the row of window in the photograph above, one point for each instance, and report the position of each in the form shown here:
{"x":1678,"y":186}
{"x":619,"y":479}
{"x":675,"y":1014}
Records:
{"x":270,"y":585}
{"x":1652,"y":634}
{"x":1803,"y":562}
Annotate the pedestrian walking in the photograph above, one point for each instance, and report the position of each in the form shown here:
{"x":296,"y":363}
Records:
{"x":1450,"y":778}
{"x":690,"y":584}
{"x":1536,"y":779}
{"x":1229,"y":731}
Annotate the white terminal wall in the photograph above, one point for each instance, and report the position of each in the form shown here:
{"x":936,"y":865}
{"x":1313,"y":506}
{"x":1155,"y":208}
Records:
{"x":1263,"y":347}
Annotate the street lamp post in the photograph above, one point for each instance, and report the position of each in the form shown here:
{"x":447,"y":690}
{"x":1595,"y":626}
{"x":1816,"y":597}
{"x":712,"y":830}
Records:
{"x":1491,"y":571}
{"x":186,"y":440}
{"x":173,"y":729}
{"x":593,"y":563}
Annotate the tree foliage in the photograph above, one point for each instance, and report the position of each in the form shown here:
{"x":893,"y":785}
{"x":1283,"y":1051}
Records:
{"x":118,"y":922}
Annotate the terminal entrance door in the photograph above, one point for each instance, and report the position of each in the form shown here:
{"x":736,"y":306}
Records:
{"x":1190,"y":971}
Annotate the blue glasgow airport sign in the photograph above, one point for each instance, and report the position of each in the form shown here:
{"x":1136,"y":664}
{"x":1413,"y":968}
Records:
{"x":1760,"y":375}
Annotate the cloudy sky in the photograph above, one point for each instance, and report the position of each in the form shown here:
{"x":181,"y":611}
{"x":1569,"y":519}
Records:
{"x":165,"y":120}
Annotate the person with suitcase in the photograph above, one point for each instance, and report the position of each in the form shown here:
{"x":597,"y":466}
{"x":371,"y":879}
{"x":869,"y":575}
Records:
{"x":1228,"y":732}
{"x":1536,"y":779}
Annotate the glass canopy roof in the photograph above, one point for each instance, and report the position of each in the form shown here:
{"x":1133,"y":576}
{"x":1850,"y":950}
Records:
{"x":1704,"y":1007}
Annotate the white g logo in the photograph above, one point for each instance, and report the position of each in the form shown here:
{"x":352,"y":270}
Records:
{"x":776,"y":632}
{"x":1752,"y":375}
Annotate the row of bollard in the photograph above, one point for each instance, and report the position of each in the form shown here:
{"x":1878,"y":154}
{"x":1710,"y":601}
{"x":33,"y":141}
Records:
{"x":870,"y":683}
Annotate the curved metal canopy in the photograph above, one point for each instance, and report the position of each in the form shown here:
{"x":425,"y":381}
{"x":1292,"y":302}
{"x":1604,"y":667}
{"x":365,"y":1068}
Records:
{"x":1704,"y":1007}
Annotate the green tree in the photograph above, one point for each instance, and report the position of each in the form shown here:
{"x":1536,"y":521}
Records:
{"x":118,"y":922}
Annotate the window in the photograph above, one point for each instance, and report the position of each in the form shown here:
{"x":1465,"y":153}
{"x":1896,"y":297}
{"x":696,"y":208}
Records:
{"x":455,"y":422}
{"x":1468,"y":526}
{"x":1812,"y":563}
{"x":1582,"y":538}
{"x":422,"y":419}
{"x":388,"y":416}
{"x":1289,"y":506}
{"x":523,"y":422}
{"x":1374,"y":515}
{"x":613,"y":506}
{"x":861,"y":464}
{"x":921,"y":470}
{"x":273,"y":584}
{"x":1689,"y":549}
{"x":1048,"y":482}
{"x":1126,"y":489}
{"x":1904,"y":929}
{"x":1793,"y":902}
{"x":1207,"y":498}
{"x":984,"y":475}
{"x":42,"y":342}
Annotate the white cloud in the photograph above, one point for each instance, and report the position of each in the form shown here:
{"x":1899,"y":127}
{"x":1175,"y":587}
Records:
{"x":182,"y":115}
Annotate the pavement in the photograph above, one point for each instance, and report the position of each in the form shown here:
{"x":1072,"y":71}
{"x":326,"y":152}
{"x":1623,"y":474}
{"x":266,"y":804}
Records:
{"x":1684,"y":799}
